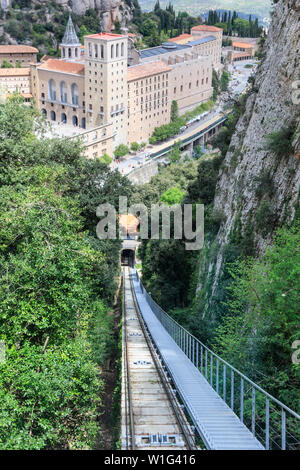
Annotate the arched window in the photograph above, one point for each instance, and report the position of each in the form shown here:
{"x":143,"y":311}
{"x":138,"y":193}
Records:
{"x":63,"y":52}
{"x":96,"y":50}
{"x":44,"y":112}
{"x":69,"y":52}
{"x":53,"y":116}
{"x":117,"y":50}
{"x":63,"y":118}
{"x":83,"y":123}
{"x":122,"y":49}
{"x":63,"y":92}
{"x":102,"y":51}
{"x":112,"y":51}
{"x":74,"y":94}
{"x":52,"y":90}
{"x":75,"y":121}
{"x":76,"y":52}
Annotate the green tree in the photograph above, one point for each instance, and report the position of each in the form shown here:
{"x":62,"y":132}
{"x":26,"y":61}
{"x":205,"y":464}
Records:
{"x":134,"y":146}
{"x":121,"y":150}
{"x":224,"y":80}
{"x":172,"y":196}
{"x":175,"y":153}
{"x":149,"y":28}
{"x":174,"y":110}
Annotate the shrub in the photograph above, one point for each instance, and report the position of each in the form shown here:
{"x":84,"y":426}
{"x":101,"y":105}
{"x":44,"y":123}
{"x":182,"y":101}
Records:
{"x":105,"y":159}
{"x":280,"y":142}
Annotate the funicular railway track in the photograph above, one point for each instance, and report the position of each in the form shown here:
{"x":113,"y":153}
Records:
{"x":152,"y":418}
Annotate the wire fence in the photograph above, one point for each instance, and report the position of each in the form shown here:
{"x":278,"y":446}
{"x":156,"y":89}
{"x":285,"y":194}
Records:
{"x":274,"y":424}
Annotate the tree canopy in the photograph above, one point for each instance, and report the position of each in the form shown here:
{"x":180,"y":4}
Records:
{"x":57,"y":283}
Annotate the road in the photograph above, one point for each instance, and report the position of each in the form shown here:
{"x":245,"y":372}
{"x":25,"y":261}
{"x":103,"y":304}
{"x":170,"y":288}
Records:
{"x":238,"y":83}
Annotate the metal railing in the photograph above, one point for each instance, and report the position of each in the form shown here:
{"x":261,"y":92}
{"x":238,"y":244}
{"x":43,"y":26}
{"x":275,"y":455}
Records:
{"x":274,"y":424}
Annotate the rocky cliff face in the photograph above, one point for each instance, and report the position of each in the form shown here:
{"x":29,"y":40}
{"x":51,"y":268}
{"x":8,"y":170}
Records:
{"x":109,"y":11}
{"x":258,"y":189}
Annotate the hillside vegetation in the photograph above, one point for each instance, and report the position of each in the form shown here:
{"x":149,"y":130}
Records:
{"x":57,"y":284}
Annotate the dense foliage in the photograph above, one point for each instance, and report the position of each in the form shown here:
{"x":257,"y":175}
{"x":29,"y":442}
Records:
{"x":57,"y":282}
{"x":262,"y":320}
{"x":233,"y":25}
{"x":27,"y":24}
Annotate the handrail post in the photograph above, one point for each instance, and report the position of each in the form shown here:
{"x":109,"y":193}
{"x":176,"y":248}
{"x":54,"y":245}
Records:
{"x":267,"y":442}
{"x":224,"y":382}
{"x":232,"y":390}
{"x":217,"y":377}
{"x":242,"y":400}
{"x":253,"y":411}
{"x":201,"y":359}
{"x":283,"y":429}
{"x":193,"y":352}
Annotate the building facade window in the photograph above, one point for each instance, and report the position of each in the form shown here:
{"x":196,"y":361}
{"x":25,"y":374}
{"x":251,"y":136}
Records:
{"x":52,"y":90}
{"x":63,"y":92}
{"x":74,"y":94}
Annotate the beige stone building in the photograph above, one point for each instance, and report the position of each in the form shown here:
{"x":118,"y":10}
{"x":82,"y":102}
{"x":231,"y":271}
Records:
{"x":206,"y":32}
{"x":15,"y":80}
{"x":58,"y":90}
{"x":18,"y":55}
{"x":205,"y":41}
{"x":148,"y":103}
{"x":106,"y":82}
{"x":113,"y":94}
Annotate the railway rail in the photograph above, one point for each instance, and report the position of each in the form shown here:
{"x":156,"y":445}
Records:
{"x":152,"y":417}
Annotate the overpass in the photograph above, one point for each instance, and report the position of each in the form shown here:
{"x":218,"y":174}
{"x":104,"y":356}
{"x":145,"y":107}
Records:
{"x":196,"y":136}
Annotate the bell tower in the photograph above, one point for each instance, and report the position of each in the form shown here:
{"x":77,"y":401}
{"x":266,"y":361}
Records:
{"x":106,"y":83}
{"x":70,"y":45}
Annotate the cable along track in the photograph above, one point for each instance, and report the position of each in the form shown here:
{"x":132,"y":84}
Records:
{"x":152,"y":418}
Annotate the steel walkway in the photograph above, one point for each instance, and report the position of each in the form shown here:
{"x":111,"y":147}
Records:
{"x":219,"y":427}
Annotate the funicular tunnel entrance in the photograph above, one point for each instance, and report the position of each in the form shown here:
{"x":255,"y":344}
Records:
{"x":127,"y":257}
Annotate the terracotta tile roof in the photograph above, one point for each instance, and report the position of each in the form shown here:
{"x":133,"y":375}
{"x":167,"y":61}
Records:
{"x":151,"y":68}
{"x":205,"y":27}
{"x":106,"y":36}
{"x":242,"y":44}
{"x":17,"y":49}
{"x":181,"y":37}
{"x":14,"y":72}
{"x":63,"y":66}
